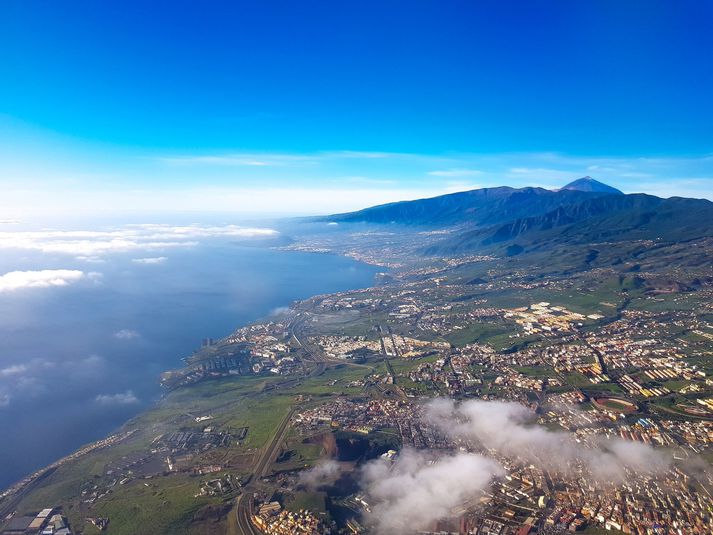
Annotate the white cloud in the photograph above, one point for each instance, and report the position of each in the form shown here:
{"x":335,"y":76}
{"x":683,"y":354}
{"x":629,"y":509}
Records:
{"x":4,"y":400}
{"x":46,"y":278}
{"x":155,"y":231}
{"x":15,"y":369}
{"x":91,"y":259}
{"x":89,"y":245}
{"x":324,"y":472}
{"x":127,"y":334}
{"x":125,"y":398}
{"x":505,"y":427}
{"x":82,"y":244}
{"x":420,"y":488}
{"x":151,"y":260}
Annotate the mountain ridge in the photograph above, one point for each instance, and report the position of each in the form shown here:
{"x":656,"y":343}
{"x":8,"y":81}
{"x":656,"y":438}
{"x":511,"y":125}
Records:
{"x":482,"y":206}
{"x":518,"y":218}
{"x":608,"y":218}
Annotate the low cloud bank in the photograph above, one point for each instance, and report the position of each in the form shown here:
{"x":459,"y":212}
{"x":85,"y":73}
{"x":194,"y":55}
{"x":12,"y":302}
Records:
{"x":46,"y":278}
{"x":323,"y":473}
{"x":508,"y":429}
{"x":89,"y":245}
{"x":419,"y":488}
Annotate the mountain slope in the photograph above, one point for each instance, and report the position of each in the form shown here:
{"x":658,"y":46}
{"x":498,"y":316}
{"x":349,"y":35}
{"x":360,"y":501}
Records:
{"x":587,"y":183}
{"x":511,"y":221}
{"x":606,"y":218}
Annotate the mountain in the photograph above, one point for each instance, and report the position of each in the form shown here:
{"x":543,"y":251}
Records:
{"x":508,"y":219}
{"x":477,"y":207}
{"x":587,"y":183}
{"x":608,"y":218}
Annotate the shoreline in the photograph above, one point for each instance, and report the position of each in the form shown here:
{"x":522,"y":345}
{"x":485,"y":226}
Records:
{"x":37,"y":475}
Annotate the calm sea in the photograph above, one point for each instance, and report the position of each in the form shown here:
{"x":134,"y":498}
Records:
{"x":78,"y":360}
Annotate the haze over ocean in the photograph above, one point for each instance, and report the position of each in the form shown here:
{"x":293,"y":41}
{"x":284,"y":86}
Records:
{"x":83,"y":344}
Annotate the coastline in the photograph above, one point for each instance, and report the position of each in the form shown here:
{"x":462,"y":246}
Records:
{"x":18,"y":489}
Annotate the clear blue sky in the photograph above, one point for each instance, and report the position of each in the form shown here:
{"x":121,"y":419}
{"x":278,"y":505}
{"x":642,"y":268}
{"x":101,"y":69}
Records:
{"x":112,"y":95}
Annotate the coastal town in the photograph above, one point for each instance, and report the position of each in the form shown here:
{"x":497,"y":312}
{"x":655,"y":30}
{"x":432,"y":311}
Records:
{"x":356,"y":267}
{"x":347,"y":378}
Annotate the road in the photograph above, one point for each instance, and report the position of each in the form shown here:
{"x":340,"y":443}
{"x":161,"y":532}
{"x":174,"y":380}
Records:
{"x":11,"y":502}
{"x":243,"y":509}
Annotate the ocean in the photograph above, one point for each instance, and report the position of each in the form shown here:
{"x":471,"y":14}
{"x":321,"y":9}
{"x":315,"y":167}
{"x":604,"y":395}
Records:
{"x":81,"y":354}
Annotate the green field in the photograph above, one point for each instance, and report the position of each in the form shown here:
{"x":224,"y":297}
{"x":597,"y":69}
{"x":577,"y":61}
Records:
{"x":160,"y":505}
{"x":313,"y":501}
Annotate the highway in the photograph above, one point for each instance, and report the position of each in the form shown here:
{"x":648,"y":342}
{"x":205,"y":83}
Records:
{"x":11,"y":502}
{"x":243,"y":509}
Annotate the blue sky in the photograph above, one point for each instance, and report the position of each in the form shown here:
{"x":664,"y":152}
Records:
{"x":293,"y":107}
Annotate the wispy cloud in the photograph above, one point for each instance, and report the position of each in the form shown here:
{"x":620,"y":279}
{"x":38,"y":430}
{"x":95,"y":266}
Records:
{"x":539,"y":176}
{"x":268,"y":159}
{"x":458,"y":172}
{"x":160,"y":231}
{"x":545,"y":169}
{"x":91,"y":245}
{"x":36,"y":378}
{"x":697,"y":187}
{"x":15,"y":369}
{"x":150,"y":260}
{"x":283,"y":183}
{"x":240,"y":160}
{"x":324,"y":472}
{"x":127,"y":334}
{"x":366,"y":155}
{"x":454,"y":187}
{"x":124,"y":398}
